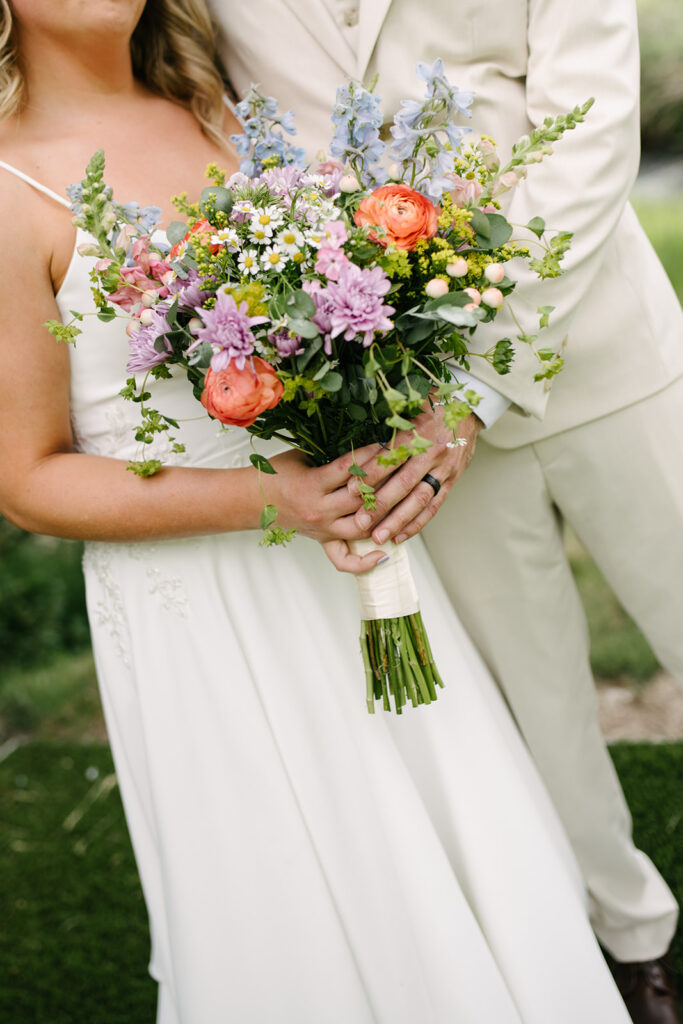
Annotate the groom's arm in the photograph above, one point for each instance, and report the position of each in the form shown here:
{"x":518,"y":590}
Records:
{"x":575,"y":51}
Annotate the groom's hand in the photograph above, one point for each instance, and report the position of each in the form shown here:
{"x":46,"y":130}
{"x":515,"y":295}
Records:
{"x":405,"y":501}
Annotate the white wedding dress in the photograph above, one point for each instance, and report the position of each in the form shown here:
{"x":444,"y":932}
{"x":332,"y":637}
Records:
{"x":304,"y":862}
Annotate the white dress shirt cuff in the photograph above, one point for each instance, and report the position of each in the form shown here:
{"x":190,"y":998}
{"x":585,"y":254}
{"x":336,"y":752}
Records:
{"x":492,"y":404}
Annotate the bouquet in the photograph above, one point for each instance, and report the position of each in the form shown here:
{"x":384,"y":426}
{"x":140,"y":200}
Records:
{"x":325,"y":305}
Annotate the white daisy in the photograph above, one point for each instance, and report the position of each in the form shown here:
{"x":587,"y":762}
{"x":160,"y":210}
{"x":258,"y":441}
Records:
{"x":290,"y":239}
{"x":260,"y":233}
{"x":274,"y":258}
{"x":315,"y":237}
{"x":227,"y":237}
{"x":244,"y":208}
{"x":248,"y":261}
{"x":271,"y":217}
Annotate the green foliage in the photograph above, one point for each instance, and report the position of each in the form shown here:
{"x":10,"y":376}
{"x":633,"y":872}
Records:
{"x":58,"y":698}
{"x":661,"y":81}
{"x":662,"y":221}
{"x":73,"y":937}
{"x":651,"y":777}
{"x":42,"y":599}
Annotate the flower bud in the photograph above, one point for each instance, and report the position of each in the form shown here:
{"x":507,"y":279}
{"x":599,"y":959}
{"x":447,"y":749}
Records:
{"x":495,"y":272}
{"x":492,"y":297}
{"x":458,"y":268}
{"x":87,"y":249}
{"x":146,"y":316}
{"x":349,"y":183}
{"x":132,"y":327}
{"x":194,"y":325}
{"x":469,"y":307}
{"x":149,"y":297}
{"x":436,"y":288}
{"x":474,"y":294}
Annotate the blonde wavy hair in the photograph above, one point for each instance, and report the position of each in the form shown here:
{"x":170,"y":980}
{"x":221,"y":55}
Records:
{"x":173,"y":53}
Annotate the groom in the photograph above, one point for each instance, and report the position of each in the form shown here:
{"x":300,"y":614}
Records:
{"x":603,"y":450}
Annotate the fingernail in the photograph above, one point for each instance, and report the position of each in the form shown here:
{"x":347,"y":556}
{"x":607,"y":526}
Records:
{"x":384,"y":558}
{"x":353,"y":487}
{"x":401,"y":537}
{"x":380,"y":536}
{"x":364,"y":520}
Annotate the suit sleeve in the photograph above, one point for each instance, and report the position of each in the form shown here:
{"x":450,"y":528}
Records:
{"x":575,"y":50}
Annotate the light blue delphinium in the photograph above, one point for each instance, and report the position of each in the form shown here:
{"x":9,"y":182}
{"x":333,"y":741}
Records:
{"x":357,"y":117}
{"x":263,"y":138}
{"x":425,"y":135}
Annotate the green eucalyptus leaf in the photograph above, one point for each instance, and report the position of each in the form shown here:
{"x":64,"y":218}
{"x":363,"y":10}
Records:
{"x":304,"y":328}
{"x":220,"y":197}
{"x":175,"y":232}
{"x":300,"y":304}
{"x":331,"y":382}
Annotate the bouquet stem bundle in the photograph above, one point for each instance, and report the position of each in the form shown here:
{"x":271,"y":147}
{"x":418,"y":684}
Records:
{"x":398,"y":661}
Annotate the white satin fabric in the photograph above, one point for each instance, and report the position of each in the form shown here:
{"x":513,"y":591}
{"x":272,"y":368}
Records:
{"x":302,"y":861}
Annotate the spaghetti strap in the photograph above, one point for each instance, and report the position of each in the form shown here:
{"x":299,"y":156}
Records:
{"x":36,"y":184}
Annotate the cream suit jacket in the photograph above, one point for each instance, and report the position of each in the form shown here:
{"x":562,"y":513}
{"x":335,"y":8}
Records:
{"x":524,"y":59}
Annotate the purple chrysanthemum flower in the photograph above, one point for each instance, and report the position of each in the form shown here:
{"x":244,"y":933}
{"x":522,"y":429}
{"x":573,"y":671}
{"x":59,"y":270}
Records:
{"x":188,"y":291}
{"x":354,"y":303}
{"x":227,"y":328}
{"x":143,"y":353}
{"x":281,"y":181}
{"x":287,"y":344}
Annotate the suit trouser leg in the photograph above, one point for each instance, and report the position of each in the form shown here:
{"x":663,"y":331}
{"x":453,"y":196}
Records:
{"x":499,"y":549}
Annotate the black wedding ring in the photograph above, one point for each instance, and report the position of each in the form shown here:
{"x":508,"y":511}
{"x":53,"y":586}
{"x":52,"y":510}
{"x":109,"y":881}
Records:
{"x":433,"y":482}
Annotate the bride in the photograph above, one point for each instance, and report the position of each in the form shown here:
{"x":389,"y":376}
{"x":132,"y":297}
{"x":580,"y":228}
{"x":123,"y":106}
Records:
{"x":301,"y":861}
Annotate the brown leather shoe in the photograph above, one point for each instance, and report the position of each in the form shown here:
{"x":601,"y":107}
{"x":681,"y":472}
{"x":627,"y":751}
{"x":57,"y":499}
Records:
{"x":648,"y":990}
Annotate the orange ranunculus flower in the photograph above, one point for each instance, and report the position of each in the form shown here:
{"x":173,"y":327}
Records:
{"x":237,"y":396}
{"x":405,"y":215}
{"x":203,"y":231}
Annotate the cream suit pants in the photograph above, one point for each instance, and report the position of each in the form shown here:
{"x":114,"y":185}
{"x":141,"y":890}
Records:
{"x":498,"y":546}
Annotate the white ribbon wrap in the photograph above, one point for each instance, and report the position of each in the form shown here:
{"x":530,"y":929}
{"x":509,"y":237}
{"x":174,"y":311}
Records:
{"x":387,"y":591}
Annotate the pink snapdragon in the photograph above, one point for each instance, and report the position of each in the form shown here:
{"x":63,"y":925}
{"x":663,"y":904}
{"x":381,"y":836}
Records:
{"x":465,"y":191}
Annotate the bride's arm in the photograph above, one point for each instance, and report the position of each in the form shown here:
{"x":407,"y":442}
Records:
{"x":46,"y":487}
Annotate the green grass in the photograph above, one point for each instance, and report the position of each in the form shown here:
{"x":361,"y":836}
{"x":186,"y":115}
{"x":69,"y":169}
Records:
{"x":73,"y":934}
{"x":73,"y":931}
{"x":663,"y":222}
{"x":57,"y":699}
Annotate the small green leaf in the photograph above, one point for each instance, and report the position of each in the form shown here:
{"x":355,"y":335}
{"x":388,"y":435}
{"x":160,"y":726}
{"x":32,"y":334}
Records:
{"x":106,"y":314}
{"x":480,"y":224}
{"x":148,"y":467}
{"x":544,"y":314}
{"x":537,"y":225}
{"x":355,"y":470}
{"x":268,"y":516}
{"x":262,"y":463}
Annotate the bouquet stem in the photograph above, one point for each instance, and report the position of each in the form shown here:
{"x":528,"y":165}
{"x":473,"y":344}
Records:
{"x":398,"y":661}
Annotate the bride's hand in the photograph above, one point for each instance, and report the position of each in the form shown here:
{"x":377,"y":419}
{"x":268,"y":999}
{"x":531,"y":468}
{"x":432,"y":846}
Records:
{"x":343,"y":559}
{"x":315,"y":501}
